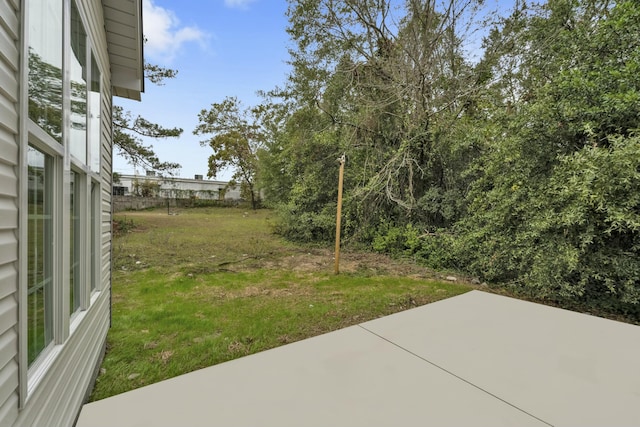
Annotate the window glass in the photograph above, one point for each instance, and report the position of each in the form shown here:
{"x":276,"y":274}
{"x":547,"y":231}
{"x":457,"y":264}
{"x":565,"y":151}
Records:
{"x":75,"y":235}
{"x":95,"y":235}
{"x":94,"y":111}
{"x":45,"y":65}
{"x":78,"y":75}
{"x":39,"y":253}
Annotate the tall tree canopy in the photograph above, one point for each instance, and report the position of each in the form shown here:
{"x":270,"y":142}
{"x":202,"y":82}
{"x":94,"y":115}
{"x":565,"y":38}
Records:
{"x":383,"y":84}
{"x":521,"y":166}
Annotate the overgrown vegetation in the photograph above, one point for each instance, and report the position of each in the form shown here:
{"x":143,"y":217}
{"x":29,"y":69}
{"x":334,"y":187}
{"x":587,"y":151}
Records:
{"x":520,"y":166}
{"x":213,"y":284}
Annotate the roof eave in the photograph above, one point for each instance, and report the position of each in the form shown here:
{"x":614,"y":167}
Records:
{"x":125,"y":41}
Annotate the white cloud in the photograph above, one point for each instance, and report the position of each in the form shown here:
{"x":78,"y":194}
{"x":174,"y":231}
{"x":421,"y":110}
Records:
{"x":165,"y":36}
{"x":239,"y":4}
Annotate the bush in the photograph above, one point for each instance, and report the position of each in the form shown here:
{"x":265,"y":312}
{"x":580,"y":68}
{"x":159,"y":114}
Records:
{"x":437,"y":250}
{"x":574,"y":238}
{"x":593,"y":208}
{"x":305,"y":226}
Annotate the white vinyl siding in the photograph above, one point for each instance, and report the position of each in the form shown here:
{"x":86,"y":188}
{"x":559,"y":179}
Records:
{"x":105,"y":192}
{"x":61,"y":387}
{"x":9,"y":156}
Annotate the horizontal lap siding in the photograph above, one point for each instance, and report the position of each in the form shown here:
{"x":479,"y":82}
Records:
{"x":9,"y":89}
{"x":105,"y":205}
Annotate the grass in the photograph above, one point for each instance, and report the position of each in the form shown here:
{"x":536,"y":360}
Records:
{"x":210,"y":285}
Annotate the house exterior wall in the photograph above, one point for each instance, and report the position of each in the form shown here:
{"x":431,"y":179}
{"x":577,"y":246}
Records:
{"x":9,"y":159}
{"x":51,"y":395}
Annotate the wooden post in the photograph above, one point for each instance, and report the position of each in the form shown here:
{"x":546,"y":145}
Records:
{"x":339,"y":214}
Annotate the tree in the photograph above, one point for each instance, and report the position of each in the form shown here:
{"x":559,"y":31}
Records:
{"x":145,"y":188}
{"x":384,"y":84}
{"x":237,"y":135}
{"x":127,"y":130}
{"x":522,"y":168}
{"x":555,"y":210}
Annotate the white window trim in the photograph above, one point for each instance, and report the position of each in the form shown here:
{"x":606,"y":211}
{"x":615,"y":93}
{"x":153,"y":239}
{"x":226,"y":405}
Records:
{"x":92,"y":54}
{"x":48,"y":355}
{"x":63,"y":325}
{"x":95,"y":238}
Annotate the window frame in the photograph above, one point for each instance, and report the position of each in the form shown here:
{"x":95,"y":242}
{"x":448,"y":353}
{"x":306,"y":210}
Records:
{"x":64,"y":322}
{"x":71,"y":63}
{"x":93,"y":134}
{"x":48,"y":146}
{"x":52,"y":258}
{"x":77,"y":202}
{"x":95,"y":237}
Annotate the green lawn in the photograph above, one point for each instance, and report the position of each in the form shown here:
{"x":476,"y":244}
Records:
{"x":210,"y":285}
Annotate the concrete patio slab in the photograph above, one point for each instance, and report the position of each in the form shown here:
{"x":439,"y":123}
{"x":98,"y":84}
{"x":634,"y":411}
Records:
{"x":474,"y":360}
{"x":567,"y":368}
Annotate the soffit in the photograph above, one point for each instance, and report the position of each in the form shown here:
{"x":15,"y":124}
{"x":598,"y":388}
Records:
{"x":123,"y":25}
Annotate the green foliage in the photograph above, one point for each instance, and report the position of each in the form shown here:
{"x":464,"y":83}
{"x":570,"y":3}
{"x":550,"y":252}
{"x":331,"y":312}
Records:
{"x":122,"y":225}
{"x":555,"y":209}
{"x":127,"y":130}
{"x":435,"y":249}
{"x":126,"y":141}
{"x":237,"y":136}
{"x":397,"y":240}
{"x":306,"y":226}
{"x":145,"y":188}
{"x":304,"y":187}
{"x":382,"y":85}
{"x":594,"y":204}
{"x":157,"y":74}
{"x":520,"y":168}
{"x":115,"y":176}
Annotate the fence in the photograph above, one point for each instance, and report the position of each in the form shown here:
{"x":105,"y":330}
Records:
{"x":132,"y":203}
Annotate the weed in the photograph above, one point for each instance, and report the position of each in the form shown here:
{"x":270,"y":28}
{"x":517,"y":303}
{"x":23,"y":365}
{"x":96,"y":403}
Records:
{"x":121,"y":225}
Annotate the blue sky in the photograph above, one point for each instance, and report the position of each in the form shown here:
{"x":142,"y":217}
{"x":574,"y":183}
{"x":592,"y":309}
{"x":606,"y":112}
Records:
{"x":220,"y":48}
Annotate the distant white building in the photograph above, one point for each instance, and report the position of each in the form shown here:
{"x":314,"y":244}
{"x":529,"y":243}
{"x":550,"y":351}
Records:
{"x":152,"y":185}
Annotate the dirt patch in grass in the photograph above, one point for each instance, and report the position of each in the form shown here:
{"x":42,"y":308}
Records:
{"x":315,"y":260}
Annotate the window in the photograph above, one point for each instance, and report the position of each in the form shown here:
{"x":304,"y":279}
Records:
{"x":39,"y":255}
{"x":94,"y":117}
{"x":78,"y":83}
{"x":75,"y":234}
{"x":95,"y":236}
{"x":45,"y":67}
{"x":62,"y":168}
